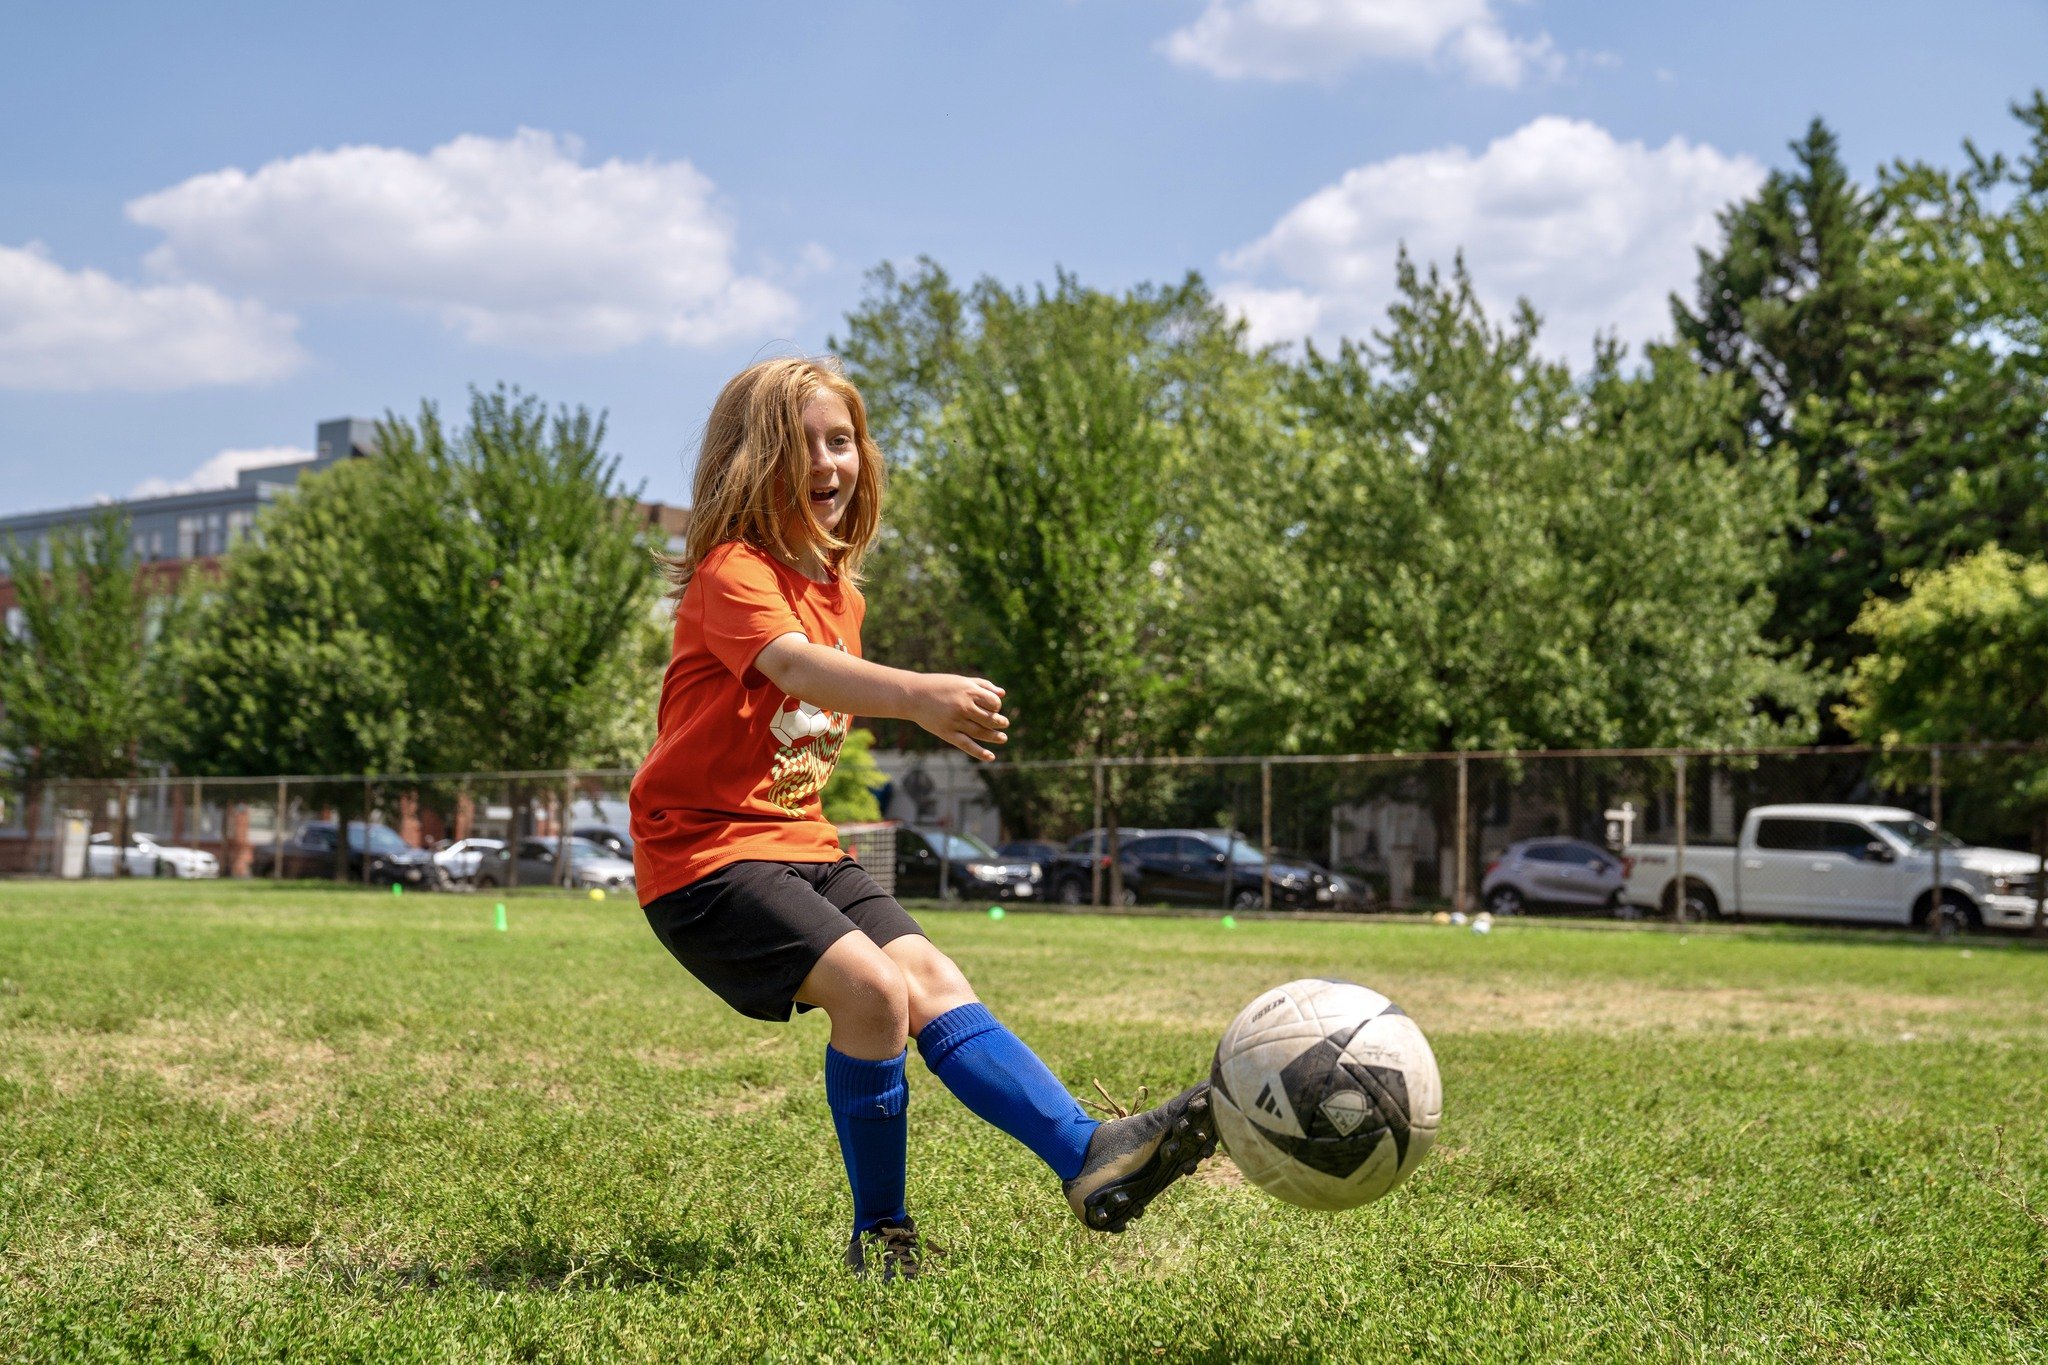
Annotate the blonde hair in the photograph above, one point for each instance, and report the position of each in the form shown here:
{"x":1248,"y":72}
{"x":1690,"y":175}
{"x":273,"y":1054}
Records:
{"x":754,"y":472}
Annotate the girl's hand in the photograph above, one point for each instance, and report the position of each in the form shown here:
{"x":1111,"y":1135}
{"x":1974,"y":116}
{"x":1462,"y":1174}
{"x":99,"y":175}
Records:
{"x":965,"y":712}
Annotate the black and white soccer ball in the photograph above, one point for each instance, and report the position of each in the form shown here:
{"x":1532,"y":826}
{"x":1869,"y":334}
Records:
{"x":1326,"y":1094}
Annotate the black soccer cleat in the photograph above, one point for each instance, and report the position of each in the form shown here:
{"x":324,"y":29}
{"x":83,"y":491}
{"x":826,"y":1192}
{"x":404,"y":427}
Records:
{"x":1130,"y":1160}
{"x":895,"y":1247}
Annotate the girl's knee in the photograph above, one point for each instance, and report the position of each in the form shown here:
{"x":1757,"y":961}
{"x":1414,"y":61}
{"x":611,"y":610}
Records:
{"x":870,"y":997}
{"x":935,"y":983}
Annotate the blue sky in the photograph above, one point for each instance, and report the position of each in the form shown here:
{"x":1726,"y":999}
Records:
{"x":220,"y":224}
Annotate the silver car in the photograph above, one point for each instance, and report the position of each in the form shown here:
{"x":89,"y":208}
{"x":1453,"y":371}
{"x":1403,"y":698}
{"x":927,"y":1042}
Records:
{"x":589,"y":866}
{"x":1560,"y":872}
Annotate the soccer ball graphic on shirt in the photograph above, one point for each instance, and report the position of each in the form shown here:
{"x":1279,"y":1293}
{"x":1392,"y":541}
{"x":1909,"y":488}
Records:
{"x":799,"y":722}
{"x":1326,"y":1094}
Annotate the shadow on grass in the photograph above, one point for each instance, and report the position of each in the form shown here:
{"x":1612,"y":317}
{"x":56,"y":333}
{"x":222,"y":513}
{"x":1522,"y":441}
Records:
{"x":542,"y":1267}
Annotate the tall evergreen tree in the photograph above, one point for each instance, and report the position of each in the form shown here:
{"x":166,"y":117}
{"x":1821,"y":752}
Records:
{"x":1788,"y":307}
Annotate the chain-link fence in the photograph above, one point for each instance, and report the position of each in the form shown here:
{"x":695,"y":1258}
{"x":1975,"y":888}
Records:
{"x":1930,"y":836}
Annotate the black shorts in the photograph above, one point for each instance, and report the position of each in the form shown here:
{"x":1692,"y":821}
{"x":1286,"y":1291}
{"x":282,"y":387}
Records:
{"x":752,"y":931}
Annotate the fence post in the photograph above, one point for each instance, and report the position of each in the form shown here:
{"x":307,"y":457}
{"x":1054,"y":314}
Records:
{"x":1115,"y":850}
{"x":1934,"y":912}
{"x":1460,"y":887}
{"x":1265,"y":834}
{"x":1679,"y":909}
{"x":366,"y":830}
{"x":277,"y":834}
{"x":1095,"y":847}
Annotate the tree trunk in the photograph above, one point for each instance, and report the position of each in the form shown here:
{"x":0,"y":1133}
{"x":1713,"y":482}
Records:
{"x":340,"y":868}
{"x":121,"y":831}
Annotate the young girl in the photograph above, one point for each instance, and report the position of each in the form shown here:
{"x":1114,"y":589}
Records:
{"x":742,"y":877}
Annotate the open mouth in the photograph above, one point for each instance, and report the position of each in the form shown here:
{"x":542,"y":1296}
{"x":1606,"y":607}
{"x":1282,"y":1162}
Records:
{"x":823,"y":497}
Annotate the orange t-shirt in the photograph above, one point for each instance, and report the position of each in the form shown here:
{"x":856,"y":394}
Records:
{"x":737,"y":766}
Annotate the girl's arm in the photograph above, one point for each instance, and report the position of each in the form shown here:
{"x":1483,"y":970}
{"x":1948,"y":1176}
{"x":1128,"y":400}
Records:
{"x":965,"y":712}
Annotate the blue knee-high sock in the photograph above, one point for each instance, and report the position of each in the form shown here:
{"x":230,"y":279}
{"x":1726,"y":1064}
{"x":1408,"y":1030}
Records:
{"x":1003,"y":1082}
{"x":868,"y":1102}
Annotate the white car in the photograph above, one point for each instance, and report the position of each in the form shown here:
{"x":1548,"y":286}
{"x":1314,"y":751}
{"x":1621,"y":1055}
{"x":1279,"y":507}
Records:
{"x":459,"y":860}
{"x":145,"y":857}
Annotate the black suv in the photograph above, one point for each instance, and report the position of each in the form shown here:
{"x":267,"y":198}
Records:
{"x":1217,"y":868}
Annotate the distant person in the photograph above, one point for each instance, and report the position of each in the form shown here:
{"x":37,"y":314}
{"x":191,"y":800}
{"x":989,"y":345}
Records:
{"x":741,"y":875}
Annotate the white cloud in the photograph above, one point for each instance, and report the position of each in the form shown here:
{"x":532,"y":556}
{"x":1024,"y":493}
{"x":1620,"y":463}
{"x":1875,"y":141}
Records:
{"x":510,"y":241}
{"x":79,"y":330}
{"x":221,"y":470}
{"x":1287,"y":40}
{"x":1592,"y":230}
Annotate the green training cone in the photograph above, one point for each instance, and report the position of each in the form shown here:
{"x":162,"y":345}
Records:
{"x":995,"y":912}
{"x":1230,"y":921}
{"x":501,"y":917}
{"x":397,"y":890}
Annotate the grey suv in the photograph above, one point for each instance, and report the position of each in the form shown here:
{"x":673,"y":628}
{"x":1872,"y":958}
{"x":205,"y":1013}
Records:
{"x":1560,"y":872}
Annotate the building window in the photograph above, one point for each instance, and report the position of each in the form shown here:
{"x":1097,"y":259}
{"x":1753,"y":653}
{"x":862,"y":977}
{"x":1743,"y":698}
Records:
{"x":216,"y":535}
{"x":156,"y":546}
{"x":240,"y":522}
{"x":190,"y":529}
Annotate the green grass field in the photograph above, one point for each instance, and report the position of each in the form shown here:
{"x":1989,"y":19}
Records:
{"x":245,"y":1123}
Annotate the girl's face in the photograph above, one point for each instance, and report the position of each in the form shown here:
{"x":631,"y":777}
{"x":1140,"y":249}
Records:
{"x":835,"y":456}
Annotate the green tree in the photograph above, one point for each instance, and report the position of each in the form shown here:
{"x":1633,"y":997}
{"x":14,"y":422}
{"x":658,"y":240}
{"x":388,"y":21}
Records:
{"x":1790,"y":308}
{"x":477,"y":600}
{"x":1956,"y":420}
{"x":1057,"y":491}
{"x":77,"y":686}
{"x":514,"y":584}
{"x":281,"y":665}
{"x":70,"y":683}
{"x":849,"y":794}
{"x":1475,"y":550}
{"x":1959,"y":660}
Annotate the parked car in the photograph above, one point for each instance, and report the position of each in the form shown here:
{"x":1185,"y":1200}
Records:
{"x":1071,"y":876}
{"x":610,"y":838}
{"x":1558,"y":872}
{"x":1029,"y":851}
{"x":590,"y":865}
{"x":460,"y":859}
{"x":1216,"y":867}
{"x":971,"y":868}
{"x":391,"y":860}
{"x":145,"y":857}
{"x":1869,"y":863}
{"x":1300,"y":880}
{"x":1041,"y":856}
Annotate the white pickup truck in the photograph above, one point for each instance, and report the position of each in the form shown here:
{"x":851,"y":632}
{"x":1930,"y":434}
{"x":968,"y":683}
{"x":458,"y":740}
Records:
{"x":1869,"y":863}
